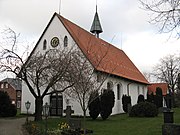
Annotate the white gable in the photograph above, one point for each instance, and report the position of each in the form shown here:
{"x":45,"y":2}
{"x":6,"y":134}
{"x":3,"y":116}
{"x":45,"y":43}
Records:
{"x":55,"y":29}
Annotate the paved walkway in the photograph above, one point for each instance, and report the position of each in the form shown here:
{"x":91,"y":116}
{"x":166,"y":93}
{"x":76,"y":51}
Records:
{"x":11,"y":126}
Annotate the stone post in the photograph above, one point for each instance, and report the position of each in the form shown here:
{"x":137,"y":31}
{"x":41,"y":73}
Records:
{"x":168,"y":116}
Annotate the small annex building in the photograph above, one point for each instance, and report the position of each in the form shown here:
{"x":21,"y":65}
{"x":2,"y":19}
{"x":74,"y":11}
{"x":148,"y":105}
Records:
{"x":13,"y":87}
{"x":153,"y":86}
{"x":163,"y":86}
{"x":125,"y":79}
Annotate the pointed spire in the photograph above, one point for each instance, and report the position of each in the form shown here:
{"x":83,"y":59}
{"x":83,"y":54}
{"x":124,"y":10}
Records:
{"x":96,"y":25}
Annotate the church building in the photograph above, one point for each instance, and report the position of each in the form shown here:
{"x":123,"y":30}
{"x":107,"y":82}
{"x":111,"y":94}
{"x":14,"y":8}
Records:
{"x":126,"y":79}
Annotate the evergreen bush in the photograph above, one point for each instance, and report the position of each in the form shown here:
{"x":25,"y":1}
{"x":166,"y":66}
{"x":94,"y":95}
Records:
{"x":150,"y":97}
{"x":107,"y":103}
{"x":6,"y":108}
{"x":140,"y":99}
{"x":144,"y":109}
{"x":94,"y":105}
{"x":125,"y":101}
{"x":159,"y":97}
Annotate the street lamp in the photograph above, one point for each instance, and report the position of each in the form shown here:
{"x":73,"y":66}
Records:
{"x":46,"y":113}
{"x":27,"y":104}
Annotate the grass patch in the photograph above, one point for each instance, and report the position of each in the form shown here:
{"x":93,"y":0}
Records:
{"x":120,"y":124}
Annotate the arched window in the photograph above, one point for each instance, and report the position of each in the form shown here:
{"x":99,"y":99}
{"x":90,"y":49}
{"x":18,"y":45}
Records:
{"x":138,"y":90}
{"x":44,"y":44}
{"x":65,"y":41}
{"x":118,"y":92}
{"x":110,"y":86}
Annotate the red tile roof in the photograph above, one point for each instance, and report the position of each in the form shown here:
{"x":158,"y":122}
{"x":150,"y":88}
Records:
{"x":102,"y":55}
{"x":153,"y":86}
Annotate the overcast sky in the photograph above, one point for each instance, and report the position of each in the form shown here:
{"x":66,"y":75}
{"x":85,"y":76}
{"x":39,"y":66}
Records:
{"x":124,"y":24}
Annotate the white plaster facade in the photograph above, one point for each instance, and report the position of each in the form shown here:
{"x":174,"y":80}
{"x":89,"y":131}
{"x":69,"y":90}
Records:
{"x":128,"y":87}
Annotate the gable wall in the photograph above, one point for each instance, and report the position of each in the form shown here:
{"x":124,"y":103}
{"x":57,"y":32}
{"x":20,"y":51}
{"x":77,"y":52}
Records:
{"x":55,"y":29}
{"x":6,"y":87}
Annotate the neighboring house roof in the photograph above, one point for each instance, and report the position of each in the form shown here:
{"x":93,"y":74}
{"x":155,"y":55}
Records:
{"x":153,"y":86}
{"x":113,"y":60}
{"x":14,"y":82}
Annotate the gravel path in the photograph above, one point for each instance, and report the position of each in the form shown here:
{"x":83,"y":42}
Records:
{"x":11,"y":126}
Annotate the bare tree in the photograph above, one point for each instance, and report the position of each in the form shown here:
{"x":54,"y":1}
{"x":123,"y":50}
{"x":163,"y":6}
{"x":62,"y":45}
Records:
{"x":167,"y":71}
{"x":42,"y":73}
{"x":149,"y":76}
{"x":165,"y":13}
{"x":86,"y":78}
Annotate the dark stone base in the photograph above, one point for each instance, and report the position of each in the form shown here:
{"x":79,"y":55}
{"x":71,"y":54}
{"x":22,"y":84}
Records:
{"x":170,"y":129}
{"x":168,"y":117}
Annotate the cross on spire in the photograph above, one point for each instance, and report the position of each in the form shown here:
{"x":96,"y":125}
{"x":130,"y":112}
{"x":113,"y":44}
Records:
{"x":59,"y":7}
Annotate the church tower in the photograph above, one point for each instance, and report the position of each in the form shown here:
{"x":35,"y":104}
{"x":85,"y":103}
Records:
{"x":96,"y":25}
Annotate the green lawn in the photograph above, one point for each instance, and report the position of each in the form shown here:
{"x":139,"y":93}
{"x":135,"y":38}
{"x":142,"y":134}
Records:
{"x":121,"y":125}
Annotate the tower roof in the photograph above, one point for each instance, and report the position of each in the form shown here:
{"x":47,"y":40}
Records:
{"x":96,"y":25}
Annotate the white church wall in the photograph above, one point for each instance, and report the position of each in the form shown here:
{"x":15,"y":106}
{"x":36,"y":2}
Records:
{"x":75,"y":105}
{"x":133,"y":92}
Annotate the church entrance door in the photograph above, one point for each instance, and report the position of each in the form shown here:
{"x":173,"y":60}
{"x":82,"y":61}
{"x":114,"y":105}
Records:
{"x":56,"y":102}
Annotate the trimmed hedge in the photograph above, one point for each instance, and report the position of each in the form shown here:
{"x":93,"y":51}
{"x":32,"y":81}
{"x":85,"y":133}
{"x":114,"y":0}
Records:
{"x":159,"y":98}
{"x":125,"y":101}
{"x":144,"y":109}
{"x":140,"y":99}
{"x":107,"y":103}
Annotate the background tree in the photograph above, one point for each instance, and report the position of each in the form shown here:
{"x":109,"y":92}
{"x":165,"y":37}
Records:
{"x":149,"y":76}
{"x":167,"y":71}
{"x":86,"y":78}
{"x":7,"y":109}
{"x":165,"y":14}
{"x":177,"y":95}
{"x":43,"y":73}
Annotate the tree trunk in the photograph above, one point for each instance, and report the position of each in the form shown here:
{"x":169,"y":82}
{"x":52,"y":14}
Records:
{"x":84,"y":122}
{"x":38,"y":108}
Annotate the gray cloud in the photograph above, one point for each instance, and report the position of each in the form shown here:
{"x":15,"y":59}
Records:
{"x":31,"y":16}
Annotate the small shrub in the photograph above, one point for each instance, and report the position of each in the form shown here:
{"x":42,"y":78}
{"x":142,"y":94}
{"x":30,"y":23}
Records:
{"x":140,"y":99}
{"x":125,"y":101}
{"x":32,"y":129}
{"x":12,"y":110}
{"x":144,"y":109}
